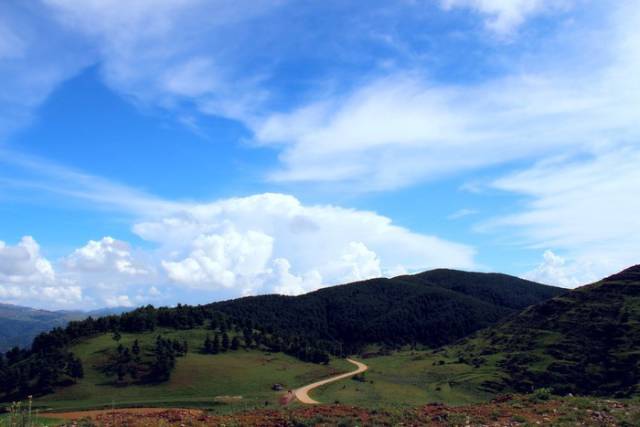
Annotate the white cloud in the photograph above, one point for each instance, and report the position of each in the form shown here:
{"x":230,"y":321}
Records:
{"x":94,"y":275}
{"x":398,"y":131}
{"x":107,"y":255}
{"x":119,"y":301}
{"x":35,"y":57}
{"x":27,"y":277}
{"x":358,"y":262}
{"x":405,"y":128}
{"x":11,"y":45}
{"x":164,"y":53}
{"x":49,"y":296}
{"x":258,"y":244}
{"x":222,"y":259}
{"x":273,"y":243}
{"x":389,"y":132}
{"x":286,"y":283}
{"x":23,"y":263}
{"x":461,"y":213}
{"x":506,"y":15}
{"x":553,"y":270}
{"x":585,"y":207}
{"x":48,"y":177}
{"x":262,"y":243}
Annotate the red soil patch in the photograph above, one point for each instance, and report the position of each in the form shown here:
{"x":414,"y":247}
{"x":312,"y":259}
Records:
{"x":500,"y":413}
{"x":119,"y":413}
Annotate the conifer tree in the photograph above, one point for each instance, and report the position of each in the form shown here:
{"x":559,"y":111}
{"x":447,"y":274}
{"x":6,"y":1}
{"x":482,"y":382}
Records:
{"x":215,"y":346}
{"x":135,"y":349}
{"x":235,"y":343}
{"x":225,"y":342}
{"x":208,"y":345}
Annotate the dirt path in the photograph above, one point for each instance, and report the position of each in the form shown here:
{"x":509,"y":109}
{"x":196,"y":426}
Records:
{"x":302,"y":393}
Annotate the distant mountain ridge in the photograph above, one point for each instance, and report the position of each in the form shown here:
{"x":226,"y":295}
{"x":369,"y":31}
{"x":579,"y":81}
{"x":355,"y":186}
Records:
{"x":19,"y":325}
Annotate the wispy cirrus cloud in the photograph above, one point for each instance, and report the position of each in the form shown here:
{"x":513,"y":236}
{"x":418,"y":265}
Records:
{"x":505,"y":16}
{"x":462,"y":213}
{"x":584,"y":208}
{"x":46,"y":177}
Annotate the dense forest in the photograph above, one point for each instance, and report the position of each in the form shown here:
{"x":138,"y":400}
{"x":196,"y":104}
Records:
{"x":432,"y":308}
{"x":340,"y":320}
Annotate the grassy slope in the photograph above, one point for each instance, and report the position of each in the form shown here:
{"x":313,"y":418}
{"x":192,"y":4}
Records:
{"x":586,"y":341}
{"x":410,"y":378}
{"x":399,"y":380}
{"x":196,"y":381}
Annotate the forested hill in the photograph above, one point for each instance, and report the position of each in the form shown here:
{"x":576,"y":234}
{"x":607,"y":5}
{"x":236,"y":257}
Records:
{"x":337,"y":321}
{"x":495,"y":288}
{"x":433,"y":308}
{"x":584,"y":342}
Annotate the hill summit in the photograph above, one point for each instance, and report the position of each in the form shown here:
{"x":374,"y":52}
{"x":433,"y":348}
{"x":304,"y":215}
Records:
{"x":433,"y":308}
{"x":631,"y":274}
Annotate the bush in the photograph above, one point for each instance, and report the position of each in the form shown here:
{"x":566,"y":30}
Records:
{"x":541,"y":394}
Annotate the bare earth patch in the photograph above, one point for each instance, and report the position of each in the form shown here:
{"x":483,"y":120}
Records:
{"x":510,"y":412}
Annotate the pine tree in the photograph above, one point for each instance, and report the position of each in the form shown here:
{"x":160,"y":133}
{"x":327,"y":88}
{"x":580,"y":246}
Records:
{"x":248,"y":337}
{"x":215,"y":346}
{"x":208,"y":345}
{"x":122,"y":371}
{"x":235,"y":343}
{"x":74,"y":367}
{"x":116,"y":336}
{"x":225,"y":342}
{"x":135,"y":349}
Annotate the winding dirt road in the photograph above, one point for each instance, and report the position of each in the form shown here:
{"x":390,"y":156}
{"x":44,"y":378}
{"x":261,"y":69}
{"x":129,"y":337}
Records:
{"x":302,"y":393}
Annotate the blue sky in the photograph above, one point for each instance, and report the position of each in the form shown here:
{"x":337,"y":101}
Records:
{"x":188,"y":151}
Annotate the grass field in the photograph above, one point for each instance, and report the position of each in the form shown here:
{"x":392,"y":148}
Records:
{"x":409,"y":378}
{"x":229,"y":381}
{"x":242,"y":379}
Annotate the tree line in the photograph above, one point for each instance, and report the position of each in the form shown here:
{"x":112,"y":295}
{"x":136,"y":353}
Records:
{"x":334,"y":321}
{"x":49,"y":363}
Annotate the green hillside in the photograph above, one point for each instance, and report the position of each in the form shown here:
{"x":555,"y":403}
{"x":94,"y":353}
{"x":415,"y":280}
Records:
{"x":332,"y":322}
{"x":240,"y":379}
{"x":584,"y":342}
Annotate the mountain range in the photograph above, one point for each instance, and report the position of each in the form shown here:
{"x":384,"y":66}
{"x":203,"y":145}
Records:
{"x":19,"y":325}
{"x":443,"y":334}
